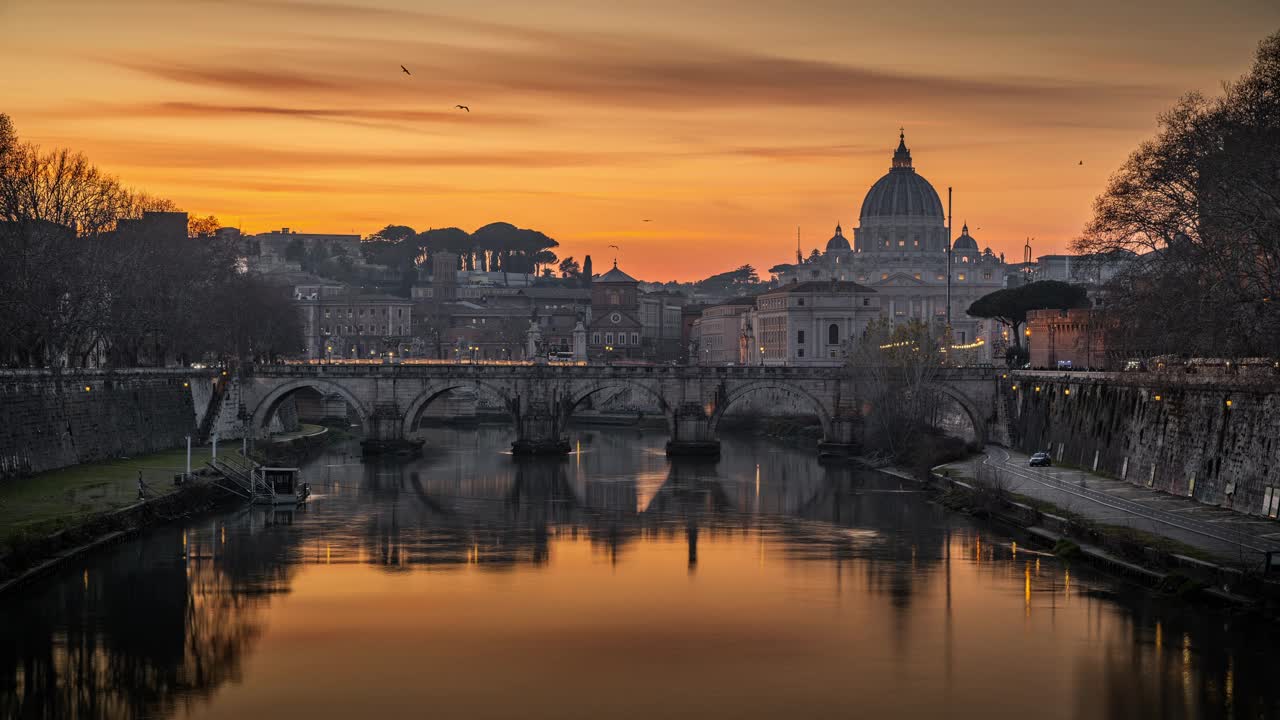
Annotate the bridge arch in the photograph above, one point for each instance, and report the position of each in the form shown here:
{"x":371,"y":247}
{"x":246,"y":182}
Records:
{"x":267,"y":405}
{"x":742,"y":391}
{"x":967,"y":405}
{"x":579,"y":392}
{"x":435,"y":390}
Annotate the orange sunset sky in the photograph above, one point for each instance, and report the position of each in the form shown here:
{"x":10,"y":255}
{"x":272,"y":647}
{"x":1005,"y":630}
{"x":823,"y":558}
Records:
{"x":727,"y":123}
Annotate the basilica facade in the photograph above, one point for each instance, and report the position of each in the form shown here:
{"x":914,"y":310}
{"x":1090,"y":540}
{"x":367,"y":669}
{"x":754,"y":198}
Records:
{"x":900,"y":250}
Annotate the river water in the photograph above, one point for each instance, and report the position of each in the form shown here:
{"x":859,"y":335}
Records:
{"x":615,"y":583}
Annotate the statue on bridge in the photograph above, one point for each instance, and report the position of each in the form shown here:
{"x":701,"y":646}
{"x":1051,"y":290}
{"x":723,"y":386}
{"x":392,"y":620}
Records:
{"x":533,"y":341}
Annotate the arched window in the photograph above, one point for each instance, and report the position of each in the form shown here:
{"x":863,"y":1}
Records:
{"x":833,"y":334}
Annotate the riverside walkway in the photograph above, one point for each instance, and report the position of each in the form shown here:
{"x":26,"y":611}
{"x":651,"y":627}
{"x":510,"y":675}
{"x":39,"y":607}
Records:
{"x":1228,"y":536}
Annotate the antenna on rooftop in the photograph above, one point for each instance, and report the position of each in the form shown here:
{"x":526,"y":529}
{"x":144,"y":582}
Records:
{"x":799,"y":253}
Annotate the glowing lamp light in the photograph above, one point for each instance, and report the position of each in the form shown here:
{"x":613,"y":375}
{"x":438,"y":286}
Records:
{"x":1157,"y":398}
{"x":1037,"y":388}
{"x":1067,"y":391}
{"x":1015,"y":387}
{"x":86,"y":389}
{"x":1027,"y":332}
{"x":186,"y":384}
{"x":1228,"y":402}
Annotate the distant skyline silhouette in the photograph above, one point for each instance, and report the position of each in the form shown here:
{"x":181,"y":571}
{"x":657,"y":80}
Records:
{"x":697,"y":135}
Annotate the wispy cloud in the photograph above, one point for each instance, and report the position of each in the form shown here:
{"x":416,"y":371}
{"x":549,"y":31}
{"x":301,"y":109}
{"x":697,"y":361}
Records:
{"x":375,"y":116}
{"x":607,"y":69}
{"x":222,"y":156}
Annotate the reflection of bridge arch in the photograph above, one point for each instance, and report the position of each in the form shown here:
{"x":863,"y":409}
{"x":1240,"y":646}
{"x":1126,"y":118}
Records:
{"x":436,"y":390}
{"x":741,"y":391}
{"x":267,"y":407}
{"x":579,"y":393}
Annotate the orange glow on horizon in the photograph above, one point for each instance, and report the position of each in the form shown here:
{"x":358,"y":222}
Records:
{"x":696,"y":137}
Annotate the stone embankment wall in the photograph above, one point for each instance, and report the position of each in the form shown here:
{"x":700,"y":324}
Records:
{"x":1216,"y":439}
{"x":52,"y":420}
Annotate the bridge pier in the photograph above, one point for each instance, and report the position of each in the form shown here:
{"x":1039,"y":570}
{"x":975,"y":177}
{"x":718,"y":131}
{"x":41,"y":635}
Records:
{"x":842,"y":437}
{"x":693,"y":434}
{"x":539,"y":431}
{"x":386,"y":432}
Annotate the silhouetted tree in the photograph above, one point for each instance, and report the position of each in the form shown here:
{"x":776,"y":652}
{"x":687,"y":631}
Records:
{"x":569,"y":269}
{"x":1200,"y":205}
{"x":1009,"y":307}
{"x":203,"y":227}
{"x":738,"y":280}
{"x":893,"y":367}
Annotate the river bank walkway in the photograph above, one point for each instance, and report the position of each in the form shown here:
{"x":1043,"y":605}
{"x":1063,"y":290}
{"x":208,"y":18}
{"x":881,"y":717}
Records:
{"x":1226,"y":536}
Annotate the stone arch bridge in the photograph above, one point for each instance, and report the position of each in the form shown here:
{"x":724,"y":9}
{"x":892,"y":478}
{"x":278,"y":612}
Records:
{"x":541,"y":399}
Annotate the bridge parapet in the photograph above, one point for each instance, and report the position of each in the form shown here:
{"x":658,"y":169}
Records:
{"x":541,"y":398}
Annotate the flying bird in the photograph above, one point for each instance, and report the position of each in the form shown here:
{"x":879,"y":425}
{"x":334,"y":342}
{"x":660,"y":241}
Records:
{"x":406,"y":70}
{"x":615,"y":247}
{"x":646,"y":221}
{"x":1081,"y":162}
{"x":463,"y":107}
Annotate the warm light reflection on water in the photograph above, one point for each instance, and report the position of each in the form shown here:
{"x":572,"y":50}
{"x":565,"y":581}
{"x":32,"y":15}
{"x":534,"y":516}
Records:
{"x":612,"y":584}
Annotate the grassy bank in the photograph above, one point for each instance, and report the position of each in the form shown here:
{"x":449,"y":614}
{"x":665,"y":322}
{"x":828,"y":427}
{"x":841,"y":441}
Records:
{"x":51,"y":501}
{"x":36,"y":550}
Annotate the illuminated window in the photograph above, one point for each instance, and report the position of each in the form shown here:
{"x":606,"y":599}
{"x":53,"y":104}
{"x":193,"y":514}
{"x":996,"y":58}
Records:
{"x":884,"y":276}
{"x":917,"y":276}
{"x":960,"y":277}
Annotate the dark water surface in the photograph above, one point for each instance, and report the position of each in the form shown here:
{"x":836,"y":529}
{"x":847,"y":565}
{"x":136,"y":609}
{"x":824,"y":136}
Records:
{"x":615,"y":583}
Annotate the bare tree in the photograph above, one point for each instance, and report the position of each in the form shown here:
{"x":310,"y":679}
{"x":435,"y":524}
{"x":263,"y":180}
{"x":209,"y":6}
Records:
{"x":1199,"y":205}
{"x":894,"y":367}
